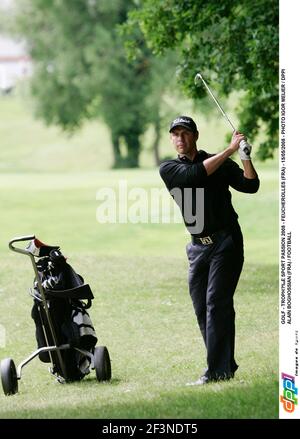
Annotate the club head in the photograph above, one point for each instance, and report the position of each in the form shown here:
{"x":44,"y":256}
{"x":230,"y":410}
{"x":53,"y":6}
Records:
{"x":198,"y":79}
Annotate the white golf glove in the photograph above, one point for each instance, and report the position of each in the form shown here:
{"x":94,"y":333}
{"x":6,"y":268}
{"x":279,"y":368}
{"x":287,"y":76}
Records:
{"x":244,"y":150}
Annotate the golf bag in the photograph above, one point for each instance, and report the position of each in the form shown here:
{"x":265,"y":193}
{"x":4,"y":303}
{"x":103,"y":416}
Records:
{"x":65,"y":293}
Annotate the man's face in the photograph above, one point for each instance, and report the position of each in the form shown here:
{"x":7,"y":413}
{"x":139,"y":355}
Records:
{"x":184,"y":140}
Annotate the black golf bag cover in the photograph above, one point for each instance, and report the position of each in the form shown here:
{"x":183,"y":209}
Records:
{"x":71,"y":322}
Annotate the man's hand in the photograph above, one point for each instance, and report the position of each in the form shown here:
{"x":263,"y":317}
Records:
{"x":245,"y":150}
{"x":236,"y":139}
{"x":213,"y":163}
{"x":238,"y":142}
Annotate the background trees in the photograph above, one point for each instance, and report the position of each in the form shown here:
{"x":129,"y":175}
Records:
{"x":82,"y":70}
{"x":233,"y":43}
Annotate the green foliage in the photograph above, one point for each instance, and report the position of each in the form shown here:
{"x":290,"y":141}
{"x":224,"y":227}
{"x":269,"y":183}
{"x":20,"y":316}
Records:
{"x":81,"y":70}
{"x":233,"y":43}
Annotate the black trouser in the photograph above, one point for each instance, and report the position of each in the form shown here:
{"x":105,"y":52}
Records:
{"x":213,"y":276}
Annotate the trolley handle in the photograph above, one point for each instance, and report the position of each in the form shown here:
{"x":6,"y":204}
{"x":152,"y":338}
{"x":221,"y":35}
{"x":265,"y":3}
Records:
{"x":20,"y":239}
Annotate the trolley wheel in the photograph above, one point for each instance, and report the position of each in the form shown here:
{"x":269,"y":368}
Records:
{"x":102,"y":363}
{"x":9,"y":376}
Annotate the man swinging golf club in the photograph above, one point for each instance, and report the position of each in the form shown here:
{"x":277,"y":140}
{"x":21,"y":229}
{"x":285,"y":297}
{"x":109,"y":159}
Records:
{"x":215,"y":252}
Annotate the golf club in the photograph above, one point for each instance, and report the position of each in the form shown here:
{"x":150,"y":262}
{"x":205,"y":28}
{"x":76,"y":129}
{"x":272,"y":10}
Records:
{"x":197,"y":79}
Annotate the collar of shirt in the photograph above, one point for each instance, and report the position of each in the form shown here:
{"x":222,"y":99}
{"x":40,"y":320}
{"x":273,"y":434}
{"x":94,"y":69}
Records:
{"x":200,"y":156}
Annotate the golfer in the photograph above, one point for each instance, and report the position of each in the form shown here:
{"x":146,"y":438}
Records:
{"x":215,"y":252}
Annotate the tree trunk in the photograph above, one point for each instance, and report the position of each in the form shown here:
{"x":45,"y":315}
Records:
{"x":157,"y":137}
{"x":133,"y":149}
{"x":116,"y":150}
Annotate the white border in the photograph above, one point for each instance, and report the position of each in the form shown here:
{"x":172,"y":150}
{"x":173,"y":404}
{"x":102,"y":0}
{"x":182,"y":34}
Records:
{"x":289,"y":186}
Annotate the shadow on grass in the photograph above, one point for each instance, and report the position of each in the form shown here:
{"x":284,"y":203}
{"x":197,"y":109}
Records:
{"x":93,"y":380}
{"x":236,"y":399}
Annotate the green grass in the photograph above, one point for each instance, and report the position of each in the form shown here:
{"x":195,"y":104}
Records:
{"x":138,"y":273}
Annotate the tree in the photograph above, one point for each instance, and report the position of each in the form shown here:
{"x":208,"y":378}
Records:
{"x":81,"y":69}
{"x":233,"y":43}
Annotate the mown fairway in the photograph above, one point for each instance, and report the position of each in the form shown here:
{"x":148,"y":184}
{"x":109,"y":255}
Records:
{"x":138,"y":273}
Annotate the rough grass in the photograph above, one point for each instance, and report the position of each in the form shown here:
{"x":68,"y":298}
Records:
{"x":144,"y":315}
{"x":138,"y":273}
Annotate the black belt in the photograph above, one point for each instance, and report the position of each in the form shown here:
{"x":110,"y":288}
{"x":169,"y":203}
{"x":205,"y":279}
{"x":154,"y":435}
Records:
{"x":209,"y":239}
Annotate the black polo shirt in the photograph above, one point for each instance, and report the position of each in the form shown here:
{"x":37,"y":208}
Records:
{"x":218,"y":210}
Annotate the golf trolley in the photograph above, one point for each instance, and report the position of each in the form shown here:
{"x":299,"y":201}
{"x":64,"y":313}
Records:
{"x":64,"y":331}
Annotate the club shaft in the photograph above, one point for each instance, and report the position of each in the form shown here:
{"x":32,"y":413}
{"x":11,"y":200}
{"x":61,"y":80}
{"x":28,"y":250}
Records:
{"x":217,"y":103}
